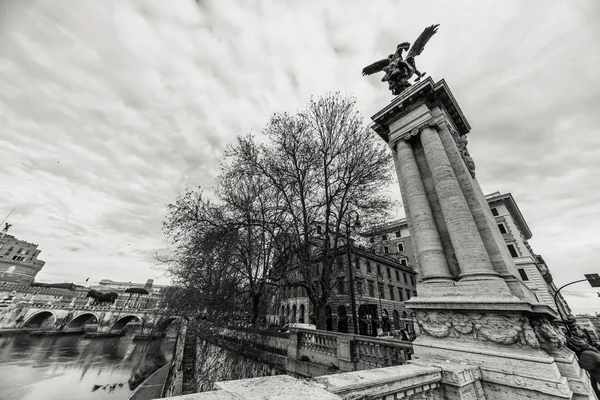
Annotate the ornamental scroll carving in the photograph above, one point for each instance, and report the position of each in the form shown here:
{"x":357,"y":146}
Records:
{"x":500,"y":329}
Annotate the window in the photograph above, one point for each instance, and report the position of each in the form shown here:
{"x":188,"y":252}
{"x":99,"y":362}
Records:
{"x":383,"y":237}
{"x":371,"y":239}
{"x":381,"y":291}
{"x":378,"y":270}
{"x":398,"y":234}
{"x":319,"y":231}
{"x":400,"y":294}
{"x":403,"y":261}
{"x":494,"y":212}
{"x":386,"y":250}
{"x":412,"y":280}
{"x":512,"y":250}
{"x":341,"y":286}
{"x":389,"y":273}
{"x":502,"y":228}
{"x":523,"y":274}
{"x":357,"y":263}
{"x":359,"y":288}
{"x":371,"y":289}
{"x":397,"y":275}
{"x":405,"y":278}
{"x":400,"y":247}
{"x":391,"y":288}
{"x":407,"y":294}
{"x":368,"y":267}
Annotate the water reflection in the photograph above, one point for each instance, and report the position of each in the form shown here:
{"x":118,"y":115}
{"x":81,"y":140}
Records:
{"x":70,"y":367}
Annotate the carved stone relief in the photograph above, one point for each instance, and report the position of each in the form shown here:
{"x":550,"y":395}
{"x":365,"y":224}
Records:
{"x":550,"y":337}
{"x":496,"y":328}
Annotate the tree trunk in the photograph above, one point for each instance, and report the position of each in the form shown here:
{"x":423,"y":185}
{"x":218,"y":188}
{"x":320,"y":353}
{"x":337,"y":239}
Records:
{"x":321,"y":316}
{"x":255,"y":309}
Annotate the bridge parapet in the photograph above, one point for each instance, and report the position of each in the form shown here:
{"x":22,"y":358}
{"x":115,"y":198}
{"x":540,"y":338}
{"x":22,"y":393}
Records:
{"x":88,"y":308}
{"x":413,"y":381}
{"x":344,"y":352}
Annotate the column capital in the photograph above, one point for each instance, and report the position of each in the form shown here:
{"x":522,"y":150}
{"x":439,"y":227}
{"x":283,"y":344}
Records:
{"x":431,"y":123}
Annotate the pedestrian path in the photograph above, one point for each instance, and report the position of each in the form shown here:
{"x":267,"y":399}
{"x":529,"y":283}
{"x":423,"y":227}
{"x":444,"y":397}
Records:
{"x":152,"y":387}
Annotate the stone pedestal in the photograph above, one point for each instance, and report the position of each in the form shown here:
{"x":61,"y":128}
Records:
{"x":472,"y":308}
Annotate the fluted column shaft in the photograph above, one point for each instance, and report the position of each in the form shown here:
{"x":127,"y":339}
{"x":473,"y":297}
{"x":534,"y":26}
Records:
{"x":429,"y":250}
{"x":470,"y":251}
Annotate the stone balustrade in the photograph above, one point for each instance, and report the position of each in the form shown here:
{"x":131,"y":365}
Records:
{"x":409,"y":382}
{"x":84,"y":307}
{"x":313,"y":353}
{"x":376,"y":353}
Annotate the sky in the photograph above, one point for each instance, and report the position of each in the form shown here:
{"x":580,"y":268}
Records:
{"x":109,"y":108}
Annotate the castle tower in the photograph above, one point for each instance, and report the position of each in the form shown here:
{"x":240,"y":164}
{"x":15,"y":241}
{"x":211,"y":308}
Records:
{"x":472,"y":306}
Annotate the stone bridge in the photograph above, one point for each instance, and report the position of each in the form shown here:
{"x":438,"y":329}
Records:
{"x":67,"y":318}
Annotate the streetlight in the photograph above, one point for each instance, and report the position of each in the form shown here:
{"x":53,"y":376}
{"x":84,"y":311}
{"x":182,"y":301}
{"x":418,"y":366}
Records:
{"x":350,"y":271}
{"x":379,"y":290}
{"x":593,"y":279}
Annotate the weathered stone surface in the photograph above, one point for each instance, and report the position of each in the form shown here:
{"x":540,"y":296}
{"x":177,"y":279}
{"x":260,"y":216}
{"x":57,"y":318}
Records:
{"x":422,"y":225}
{"x":396,"y":382}
{"x":483,"y":316}
{"x":281,"y":387}
{"x":472,"y":257}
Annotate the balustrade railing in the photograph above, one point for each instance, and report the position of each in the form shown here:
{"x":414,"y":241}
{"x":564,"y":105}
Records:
{"x":318,"y":342}
{"x":346,"y":351}
{"x":376,"y":353}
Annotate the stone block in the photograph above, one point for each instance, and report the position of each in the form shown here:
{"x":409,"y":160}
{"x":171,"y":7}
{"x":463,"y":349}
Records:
{"x":396,"y":382}
{"x":280,"y":387}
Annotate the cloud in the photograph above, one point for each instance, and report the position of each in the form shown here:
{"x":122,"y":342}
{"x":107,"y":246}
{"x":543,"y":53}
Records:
{"x":108,"y":109}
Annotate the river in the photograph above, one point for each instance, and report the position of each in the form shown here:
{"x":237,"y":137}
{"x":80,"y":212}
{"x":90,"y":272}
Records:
{"x":73,"y":368}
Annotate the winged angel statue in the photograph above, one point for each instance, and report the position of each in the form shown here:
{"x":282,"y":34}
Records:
{"x":398,"y":70}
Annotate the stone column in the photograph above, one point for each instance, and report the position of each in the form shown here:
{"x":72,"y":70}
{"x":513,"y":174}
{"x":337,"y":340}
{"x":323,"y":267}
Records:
{"x":471,"y":254}
{"x":429,"y":250}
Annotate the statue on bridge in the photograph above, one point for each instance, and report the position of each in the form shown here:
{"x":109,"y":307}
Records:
{"x":102,"y":298}
{"x":398,"y":70}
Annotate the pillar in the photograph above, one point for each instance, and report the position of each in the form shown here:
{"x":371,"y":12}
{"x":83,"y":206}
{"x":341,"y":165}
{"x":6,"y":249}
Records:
{"x":471,"y":254}
{"x":430,"y":253}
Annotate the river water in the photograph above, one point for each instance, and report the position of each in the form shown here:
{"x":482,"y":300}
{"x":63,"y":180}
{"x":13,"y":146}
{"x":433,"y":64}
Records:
{"x":73,"y":368}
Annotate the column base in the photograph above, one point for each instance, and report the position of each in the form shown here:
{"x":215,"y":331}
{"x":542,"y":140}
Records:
{"x":481,"y":289}
{"x":506,"y":339}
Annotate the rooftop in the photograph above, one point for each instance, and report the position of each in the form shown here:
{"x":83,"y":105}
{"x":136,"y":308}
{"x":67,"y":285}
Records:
{"x":513,"y":209}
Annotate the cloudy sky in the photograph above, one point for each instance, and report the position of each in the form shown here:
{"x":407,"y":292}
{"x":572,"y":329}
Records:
{"x":109,"y":108}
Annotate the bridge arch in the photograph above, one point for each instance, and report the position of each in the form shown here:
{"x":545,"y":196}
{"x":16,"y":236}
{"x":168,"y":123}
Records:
{"x":81,"y":320}
{"x":41,"y":319}
{"x":122,"y":321}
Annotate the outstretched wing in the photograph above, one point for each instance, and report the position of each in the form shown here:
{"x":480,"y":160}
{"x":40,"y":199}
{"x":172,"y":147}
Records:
{"x":419,"y":44}
{"x":376,"y":67}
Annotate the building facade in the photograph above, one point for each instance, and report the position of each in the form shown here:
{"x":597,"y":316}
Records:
{"x":18,"y":259}
{"x":382,"y":282}
{"x":590,"y":325}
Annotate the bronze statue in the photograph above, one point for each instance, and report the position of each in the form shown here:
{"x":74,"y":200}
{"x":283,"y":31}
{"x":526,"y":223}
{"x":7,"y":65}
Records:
{"x":398,"y":70}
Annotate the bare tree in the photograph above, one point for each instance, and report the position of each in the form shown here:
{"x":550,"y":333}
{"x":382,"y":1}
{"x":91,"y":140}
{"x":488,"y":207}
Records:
{"x":321,"y":162}
{"x":224,"y":250}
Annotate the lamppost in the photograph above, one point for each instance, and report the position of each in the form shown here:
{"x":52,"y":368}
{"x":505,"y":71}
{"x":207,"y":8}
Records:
{"x":593,"y":279}
{"x":379,"y":289}
{"x":350,"y":271}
